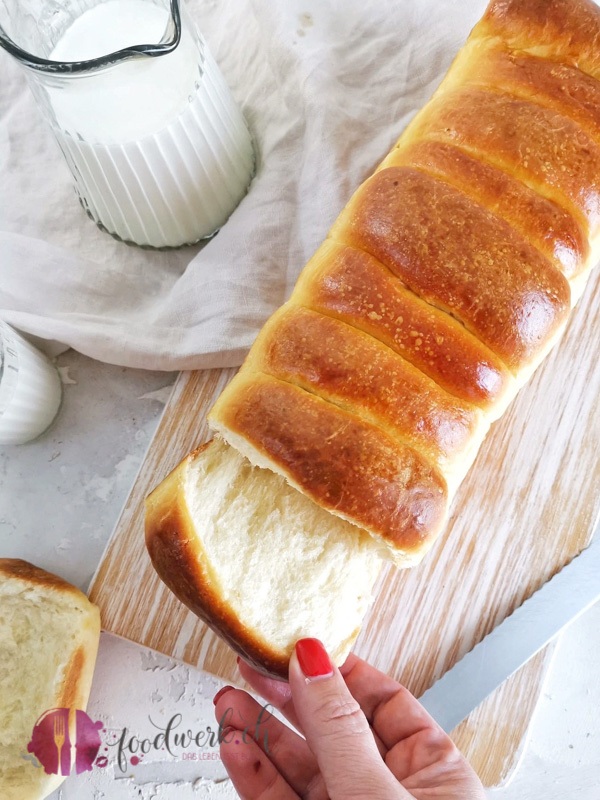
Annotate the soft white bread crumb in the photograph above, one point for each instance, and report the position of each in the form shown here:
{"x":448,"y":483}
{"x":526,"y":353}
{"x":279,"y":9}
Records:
{"x":287,"y":567}
{"x":49,"y":633}
{"x":274,"y":566}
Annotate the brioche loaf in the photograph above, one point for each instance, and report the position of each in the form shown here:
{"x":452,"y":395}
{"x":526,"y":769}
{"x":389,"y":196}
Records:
{"x":440,"y":288}
{"x":49,"y":633}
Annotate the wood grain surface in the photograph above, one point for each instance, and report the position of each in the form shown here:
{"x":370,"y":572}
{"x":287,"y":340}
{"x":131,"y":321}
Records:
{"x":529,"y":504}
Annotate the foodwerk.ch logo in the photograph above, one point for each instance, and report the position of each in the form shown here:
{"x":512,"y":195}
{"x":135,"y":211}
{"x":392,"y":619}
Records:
{"x":67,"y":742}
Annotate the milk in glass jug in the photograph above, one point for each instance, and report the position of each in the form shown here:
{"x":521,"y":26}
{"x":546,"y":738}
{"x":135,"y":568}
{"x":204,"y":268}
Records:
{"x":159,"y":151}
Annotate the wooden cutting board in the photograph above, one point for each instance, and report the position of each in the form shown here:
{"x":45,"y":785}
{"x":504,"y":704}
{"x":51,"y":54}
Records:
{"x":529,"y":504}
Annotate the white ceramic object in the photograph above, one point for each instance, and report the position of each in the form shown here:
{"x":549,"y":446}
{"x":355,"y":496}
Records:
{"x":30,"y":389}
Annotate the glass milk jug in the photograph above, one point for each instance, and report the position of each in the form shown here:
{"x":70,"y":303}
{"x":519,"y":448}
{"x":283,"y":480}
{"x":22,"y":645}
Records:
{"x":159,"y":151}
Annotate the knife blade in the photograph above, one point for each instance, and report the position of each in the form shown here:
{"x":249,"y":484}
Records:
{"x":562,"y":599}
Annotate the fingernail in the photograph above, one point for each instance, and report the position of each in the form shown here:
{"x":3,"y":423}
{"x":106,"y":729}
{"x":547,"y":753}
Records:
{"x":221,"y":692}
{"x":313,"y":659}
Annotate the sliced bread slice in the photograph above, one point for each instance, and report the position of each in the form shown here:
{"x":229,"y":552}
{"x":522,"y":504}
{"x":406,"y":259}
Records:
{"x":49,"y":634}
{"x":259,"y":562}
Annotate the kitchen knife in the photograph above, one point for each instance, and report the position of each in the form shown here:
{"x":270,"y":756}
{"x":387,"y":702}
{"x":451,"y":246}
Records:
{"x":517,"y":639}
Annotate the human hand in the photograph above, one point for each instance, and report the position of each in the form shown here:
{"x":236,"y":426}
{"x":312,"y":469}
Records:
{"x":366,"y":736}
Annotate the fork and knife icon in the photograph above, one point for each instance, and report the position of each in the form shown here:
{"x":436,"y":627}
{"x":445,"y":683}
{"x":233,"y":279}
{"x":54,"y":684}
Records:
{"x":59,"y":738}
{"x":70,"y":729}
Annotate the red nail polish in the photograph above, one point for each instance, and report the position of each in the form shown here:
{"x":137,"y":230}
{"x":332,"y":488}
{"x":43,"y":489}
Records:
{"x":313,"y":659}
{"x":221,"y":692}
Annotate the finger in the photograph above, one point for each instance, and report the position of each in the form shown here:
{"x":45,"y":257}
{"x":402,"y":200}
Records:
{"x":275,"y":692}
{"x":393,"y":711}
{"x":336,"y":729}
{"x":415,"y":748}
{"x":287,"y":751}
{"x":421,"y":755}
{"x":428,"y":761}
{"x":252,"y":774}
{"x":418,"y":753}
{"x":279,"y":695}
{"x":401,"y":716}
{"x":370,"y":687}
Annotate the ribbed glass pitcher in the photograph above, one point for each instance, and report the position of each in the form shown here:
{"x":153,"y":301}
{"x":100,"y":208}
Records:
{"x":159,"y":151}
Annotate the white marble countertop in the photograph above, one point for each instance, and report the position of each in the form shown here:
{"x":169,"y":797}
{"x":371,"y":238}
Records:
{"x":59,"y":500}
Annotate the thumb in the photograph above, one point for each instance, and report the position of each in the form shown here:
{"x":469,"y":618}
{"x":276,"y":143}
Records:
{"x":336,"y":729}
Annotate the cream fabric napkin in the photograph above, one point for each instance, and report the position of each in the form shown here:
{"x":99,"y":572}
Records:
{"x":326,"y":87}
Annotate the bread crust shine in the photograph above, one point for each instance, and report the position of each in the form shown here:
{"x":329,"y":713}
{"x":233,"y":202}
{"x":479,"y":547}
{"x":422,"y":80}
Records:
{"x":457,"y":255}
{"x":349,"y":284}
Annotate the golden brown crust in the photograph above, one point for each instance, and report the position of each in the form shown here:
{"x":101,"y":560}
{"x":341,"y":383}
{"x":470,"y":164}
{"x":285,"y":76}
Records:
{"x":353,"y":286}
{"x":343,"y":463}
{"x":23,"y":570}
{"x":357,"y":372}
{"x":537,"y":145}
{"x":78,"y":673}
{"x":177,"y":557}
{"x":71,"y":690}
{"x":551,"y":229}
{"x":560,"y":87}
{"x":461,"y":257}
{"x":565,"y":30}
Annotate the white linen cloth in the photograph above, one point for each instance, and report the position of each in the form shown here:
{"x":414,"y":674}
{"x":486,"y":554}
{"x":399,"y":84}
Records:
{"x":326,"y":87}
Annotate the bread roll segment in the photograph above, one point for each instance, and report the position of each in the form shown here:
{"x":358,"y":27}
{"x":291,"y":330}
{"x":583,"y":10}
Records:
{"x":256,"y":560}
{"x":543,"y":148}
{"x":565,"y":31}
{"x":441,"y":287}
{"x":553,"y":231}
{"x":355,"y":371}
{"x":349,"y":284}
{"x":348,"y":465}
{"x":459,"y":257}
